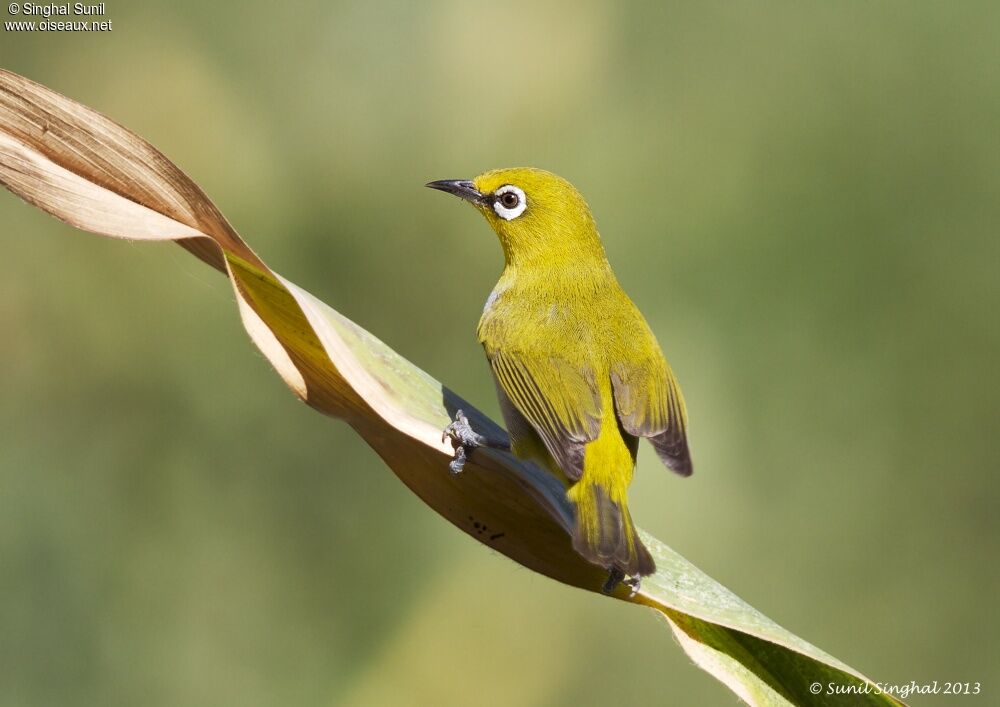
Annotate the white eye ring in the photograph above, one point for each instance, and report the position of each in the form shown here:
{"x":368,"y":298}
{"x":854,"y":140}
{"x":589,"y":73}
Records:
{"x":509,"y":212}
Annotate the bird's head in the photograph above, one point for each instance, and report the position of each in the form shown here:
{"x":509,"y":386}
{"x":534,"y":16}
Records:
{"x":538,"y":216}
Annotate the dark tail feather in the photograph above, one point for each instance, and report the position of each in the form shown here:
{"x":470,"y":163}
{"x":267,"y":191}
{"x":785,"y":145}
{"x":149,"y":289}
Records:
{"x":605,"y":534}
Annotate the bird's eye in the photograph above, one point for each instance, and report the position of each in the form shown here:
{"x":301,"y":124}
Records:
{"x":509,"y":202}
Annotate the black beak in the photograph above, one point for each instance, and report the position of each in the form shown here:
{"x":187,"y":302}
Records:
{"x":461,"y":188}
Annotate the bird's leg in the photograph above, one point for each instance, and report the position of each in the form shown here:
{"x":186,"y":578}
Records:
{"x":464,"y":439}
{"x":615,"y":575}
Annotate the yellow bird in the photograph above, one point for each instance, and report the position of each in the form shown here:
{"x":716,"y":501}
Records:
{"x":579,"y":374}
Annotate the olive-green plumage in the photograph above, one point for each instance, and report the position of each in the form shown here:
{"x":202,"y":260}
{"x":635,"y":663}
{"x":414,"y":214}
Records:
{"x":579,"y":374}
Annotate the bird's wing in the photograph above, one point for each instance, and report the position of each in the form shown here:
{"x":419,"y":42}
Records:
{"x":560,"y":400}
{"x":649,"y":404}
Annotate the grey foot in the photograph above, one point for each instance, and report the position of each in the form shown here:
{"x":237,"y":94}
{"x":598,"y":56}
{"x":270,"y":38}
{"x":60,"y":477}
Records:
{"x":616,"y":576}
{"x":463,"y":440}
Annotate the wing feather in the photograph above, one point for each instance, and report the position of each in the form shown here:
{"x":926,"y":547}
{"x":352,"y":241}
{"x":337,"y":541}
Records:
{"x":649,"y":404}
{"x":560,"y":401}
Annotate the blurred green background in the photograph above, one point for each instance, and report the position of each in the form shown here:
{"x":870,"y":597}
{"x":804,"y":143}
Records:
{"x":801,"y":197}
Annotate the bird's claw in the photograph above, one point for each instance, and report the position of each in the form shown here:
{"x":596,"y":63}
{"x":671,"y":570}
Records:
{"x":616,"y":577}
{"x":463,"y":440}
{"x":457,"y":464}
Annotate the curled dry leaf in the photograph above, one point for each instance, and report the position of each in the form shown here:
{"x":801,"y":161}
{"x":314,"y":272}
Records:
{"x":92,"y":173}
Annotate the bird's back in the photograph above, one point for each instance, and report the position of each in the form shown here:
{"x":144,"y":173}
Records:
{"x":585,"y":317}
